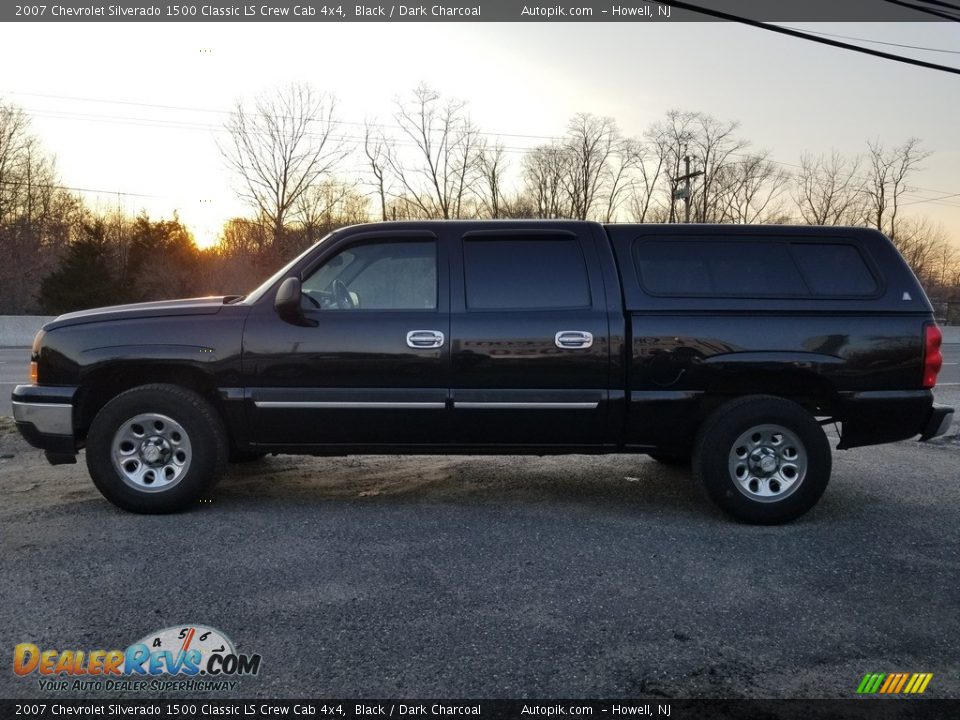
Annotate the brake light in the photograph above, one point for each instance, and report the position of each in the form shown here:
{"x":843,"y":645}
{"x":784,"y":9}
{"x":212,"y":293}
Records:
{"x":932,"y":357}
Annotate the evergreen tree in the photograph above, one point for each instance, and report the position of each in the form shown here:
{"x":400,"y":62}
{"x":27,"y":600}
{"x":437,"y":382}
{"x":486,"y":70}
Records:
{"x":85,"y":278}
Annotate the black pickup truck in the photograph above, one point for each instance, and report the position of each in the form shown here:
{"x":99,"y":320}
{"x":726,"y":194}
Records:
{"x":727,"y":347}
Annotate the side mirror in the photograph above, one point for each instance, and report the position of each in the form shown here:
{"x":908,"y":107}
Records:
{"x":287,"y":302}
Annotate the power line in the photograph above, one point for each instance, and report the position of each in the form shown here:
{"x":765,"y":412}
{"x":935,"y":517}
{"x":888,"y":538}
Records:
{"x":165,"y":124}
{"x":168,"y":197}
{"x":805,"y":36}
{"x":157,"y":122}
{"x":927,"y":11}
{"x":877,"y":42}
{"x":172,"y":124}
{"x":229,"y":112}
{"x":54,"y":186}
{"x":934,"y":200}
{"x":941,"y":3}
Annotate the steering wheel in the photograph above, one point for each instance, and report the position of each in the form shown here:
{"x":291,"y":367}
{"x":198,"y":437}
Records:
{"x":342,"y":295}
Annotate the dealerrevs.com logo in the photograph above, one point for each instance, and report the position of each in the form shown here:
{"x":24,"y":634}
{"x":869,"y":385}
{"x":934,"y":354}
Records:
{"x":192,"y":658}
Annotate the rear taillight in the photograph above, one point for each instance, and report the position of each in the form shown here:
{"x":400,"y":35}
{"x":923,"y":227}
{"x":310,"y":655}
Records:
{"x":932,"y":357}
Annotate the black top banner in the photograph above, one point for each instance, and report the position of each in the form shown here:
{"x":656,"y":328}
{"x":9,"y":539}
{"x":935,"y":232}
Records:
{"x":481,"y":11}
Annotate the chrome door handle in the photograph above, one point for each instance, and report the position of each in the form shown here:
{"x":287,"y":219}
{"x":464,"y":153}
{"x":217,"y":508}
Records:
{"x":573,"y":339}
{"x":421,"y":339}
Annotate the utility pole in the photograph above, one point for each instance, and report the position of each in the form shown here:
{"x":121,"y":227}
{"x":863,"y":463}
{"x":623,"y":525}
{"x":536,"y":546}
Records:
{"x":685,"y":192}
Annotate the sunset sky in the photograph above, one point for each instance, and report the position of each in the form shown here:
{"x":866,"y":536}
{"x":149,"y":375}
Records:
{"x":133,"y":111}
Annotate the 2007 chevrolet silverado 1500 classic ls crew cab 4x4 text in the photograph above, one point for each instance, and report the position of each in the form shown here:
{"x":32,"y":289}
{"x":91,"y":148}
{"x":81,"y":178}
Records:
{"x":724,"y":346}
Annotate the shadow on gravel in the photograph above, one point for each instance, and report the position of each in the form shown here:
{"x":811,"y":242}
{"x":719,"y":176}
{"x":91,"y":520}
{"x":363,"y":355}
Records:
{"x":613,"y":480}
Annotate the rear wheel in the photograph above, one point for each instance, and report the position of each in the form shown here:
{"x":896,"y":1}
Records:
{"x":762,"y":459}
{"x":156,"y":449}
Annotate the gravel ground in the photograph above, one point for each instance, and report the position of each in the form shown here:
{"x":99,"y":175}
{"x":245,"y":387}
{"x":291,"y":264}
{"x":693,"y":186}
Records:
{"x":500,"y":577}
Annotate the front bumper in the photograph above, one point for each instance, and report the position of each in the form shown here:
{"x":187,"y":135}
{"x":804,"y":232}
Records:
{"x":44,"y":416}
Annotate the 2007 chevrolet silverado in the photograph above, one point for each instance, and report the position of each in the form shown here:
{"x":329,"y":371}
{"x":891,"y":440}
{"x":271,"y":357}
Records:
{"x":724,"y":346}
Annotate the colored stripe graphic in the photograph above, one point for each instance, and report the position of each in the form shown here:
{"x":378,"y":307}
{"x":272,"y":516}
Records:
{"x":894,"y":683}
{"x":899,"y":686}
{"x":870,"y":683}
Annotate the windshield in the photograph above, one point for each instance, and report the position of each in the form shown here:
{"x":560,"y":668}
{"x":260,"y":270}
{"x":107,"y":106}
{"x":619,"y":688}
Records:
{"x":282,"y":272}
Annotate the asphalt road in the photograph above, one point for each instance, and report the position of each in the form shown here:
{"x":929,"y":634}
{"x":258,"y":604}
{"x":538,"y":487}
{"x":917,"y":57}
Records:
{"x":14,"y":370}
{"x":500,"y":577}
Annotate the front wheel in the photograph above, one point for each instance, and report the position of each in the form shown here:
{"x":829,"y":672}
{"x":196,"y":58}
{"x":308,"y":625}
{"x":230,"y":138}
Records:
{"x":762,"y":459}
{"x":156,"y":449}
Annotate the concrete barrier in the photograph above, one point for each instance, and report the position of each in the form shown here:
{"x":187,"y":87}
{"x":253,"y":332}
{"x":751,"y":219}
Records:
{"x":18,"y":330}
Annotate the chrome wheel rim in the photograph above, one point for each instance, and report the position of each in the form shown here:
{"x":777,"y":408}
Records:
{"x":151,"y":452}
{"x":768,"y":463}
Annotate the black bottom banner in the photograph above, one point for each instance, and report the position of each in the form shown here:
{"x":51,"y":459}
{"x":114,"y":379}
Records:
{"x":867,"y":709}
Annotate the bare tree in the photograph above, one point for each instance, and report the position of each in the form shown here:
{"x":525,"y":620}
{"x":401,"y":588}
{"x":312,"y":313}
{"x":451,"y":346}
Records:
{"x":920,"y":242}
{"x":947,"y":263}
{"x":619,"y":180}
{"x":586,"y":174}
{"x":373,"y":148}
{"x":642,"y":205}
{"x":830,"y":190}
{"x":715,"y":146}
{"x":545,"y":172}
{"x":443,"y":168}
{"x":241,"y":237}
{"x":280,"y":148}
{"x":889,"y":171}
{"x":671,"y":139}
{"x":327,"y":205}
{"x":15,"y":140}
{"x":591,"y":144}
{"x":492,"y":167}
{"x":37,"y":217}
{"x":749,"y":190}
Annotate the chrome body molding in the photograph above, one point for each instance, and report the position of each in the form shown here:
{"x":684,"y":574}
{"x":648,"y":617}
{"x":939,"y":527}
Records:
{"x":348,"y":405}
{"x":525,"y":405}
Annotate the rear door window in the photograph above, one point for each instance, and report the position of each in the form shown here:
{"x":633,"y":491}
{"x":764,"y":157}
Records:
{"x":523,"y":274}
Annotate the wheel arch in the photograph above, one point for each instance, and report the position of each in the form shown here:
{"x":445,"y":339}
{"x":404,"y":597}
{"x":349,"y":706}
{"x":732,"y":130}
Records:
{"x":105,"y":382}
{"x":816,"y":394}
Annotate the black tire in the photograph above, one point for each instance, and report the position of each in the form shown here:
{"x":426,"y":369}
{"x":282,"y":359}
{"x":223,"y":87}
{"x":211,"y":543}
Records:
{"x":738,"y":445}
{"x":245,"y":456}
{"x":189,"y":439}
{"x":673,"y":459}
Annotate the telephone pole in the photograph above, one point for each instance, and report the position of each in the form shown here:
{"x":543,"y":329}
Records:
{"x":685,"y":191}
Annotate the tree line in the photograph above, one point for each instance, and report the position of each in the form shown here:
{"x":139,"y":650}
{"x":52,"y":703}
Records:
{"x":302,"y":172}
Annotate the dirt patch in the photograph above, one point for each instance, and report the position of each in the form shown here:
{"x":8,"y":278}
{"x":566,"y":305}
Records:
{"x":24,"y":471}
